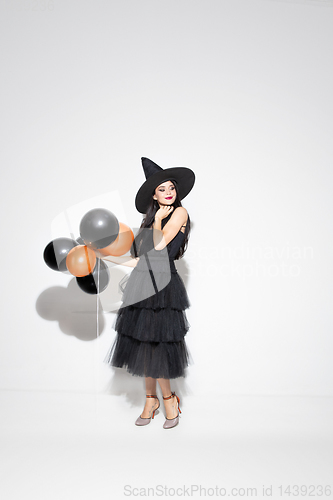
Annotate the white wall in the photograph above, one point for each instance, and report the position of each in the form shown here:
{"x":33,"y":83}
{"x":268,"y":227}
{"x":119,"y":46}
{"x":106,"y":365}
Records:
{"x":241,"y":92}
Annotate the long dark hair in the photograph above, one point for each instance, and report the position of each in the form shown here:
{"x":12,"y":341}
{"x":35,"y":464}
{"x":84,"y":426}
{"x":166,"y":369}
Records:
{"x":149,"y":218}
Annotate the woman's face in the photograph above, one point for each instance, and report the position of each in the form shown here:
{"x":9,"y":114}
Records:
{"x":165,"y":193}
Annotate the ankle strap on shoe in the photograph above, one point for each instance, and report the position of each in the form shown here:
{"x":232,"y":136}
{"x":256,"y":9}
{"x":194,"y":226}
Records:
{"x":151,"y":396}
{"x":169,"y":397}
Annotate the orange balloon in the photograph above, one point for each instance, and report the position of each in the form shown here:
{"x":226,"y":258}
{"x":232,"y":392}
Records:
{"x":81,"y":261}
{"x":121,"y":244}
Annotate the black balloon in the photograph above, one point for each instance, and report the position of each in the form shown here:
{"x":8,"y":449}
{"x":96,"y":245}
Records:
{"x":97,"y":281}
{"x":99,"y":228}
{"x":56,"y":251}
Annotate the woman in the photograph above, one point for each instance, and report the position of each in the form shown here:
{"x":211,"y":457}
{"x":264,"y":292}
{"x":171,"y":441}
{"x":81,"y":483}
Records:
{"x":151,"y":324}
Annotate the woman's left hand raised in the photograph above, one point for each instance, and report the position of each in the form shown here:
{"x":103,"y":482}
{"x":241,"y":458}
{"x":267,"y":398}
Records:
{"x":164,"y":211}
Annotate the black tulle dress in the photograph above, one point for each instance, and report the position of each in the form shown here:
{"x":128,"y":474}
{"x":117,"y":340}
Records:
{"x":151,"y":323}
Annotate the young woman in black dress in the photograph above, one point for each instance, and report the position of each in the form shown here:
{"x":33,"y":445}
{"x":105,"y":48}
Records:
{"x":151,"y":327}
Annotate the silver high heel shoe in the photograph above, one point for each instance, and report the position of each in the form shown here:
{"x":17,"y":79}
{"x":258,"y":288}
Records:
{"x":172,"y":422}
{"x":146,"y":420}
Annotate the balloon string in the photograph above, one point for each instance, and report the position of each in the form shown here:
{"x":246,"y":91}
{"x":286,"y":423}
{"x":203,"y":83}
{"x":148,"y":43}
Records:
{"x":97,"y":307}
{"x":97,"y":296}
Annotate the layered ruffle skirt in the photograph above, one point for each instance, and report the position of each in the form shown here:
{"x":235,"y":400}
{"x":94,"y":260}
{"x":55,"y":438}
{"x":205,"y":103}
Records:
{"x":151,"y":323}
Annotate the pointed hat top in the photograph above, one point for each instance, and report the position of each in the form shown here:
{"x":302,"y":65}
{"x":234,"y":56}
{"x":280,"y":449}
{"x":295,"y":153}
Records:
{"x":149,"y":167}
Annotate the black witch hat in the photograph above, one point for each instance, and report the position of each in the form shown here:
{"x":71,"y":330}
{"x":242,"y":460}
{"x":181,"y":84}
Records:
{"x":155,"y":175}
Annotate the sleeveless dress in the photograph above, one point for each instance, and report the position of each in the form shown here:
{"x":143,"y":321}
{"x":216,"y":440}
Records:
{"x":151,"y":323}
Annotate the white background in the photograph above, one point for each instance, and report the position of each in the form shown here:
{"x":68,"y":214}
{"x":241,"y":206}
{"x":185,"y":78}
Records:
{"x":239,"y":91}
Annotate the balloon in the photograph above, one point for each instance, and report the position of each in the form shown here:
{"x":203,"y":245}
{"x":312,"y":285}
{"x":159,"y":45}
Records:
{"x":99,"y":228}
{"x":81,"y":261}
{"x":122,"y":244}
{"x":55,"y":253}
{"x":99,"y":278}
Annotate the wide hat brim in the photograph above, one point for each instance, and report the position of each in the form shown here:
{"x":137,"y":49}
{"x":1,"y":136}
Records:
{"x":184,"y":177}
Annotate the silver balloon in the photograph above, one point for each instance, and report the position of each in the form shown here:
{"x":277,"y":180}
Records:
{"x":99,"y":228}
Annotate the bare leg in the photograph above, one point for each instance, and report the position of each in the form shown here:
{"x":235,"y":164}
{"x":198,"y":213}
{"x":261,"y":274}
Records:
{"x":169,"y":404}
{"x":151,"y":403}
